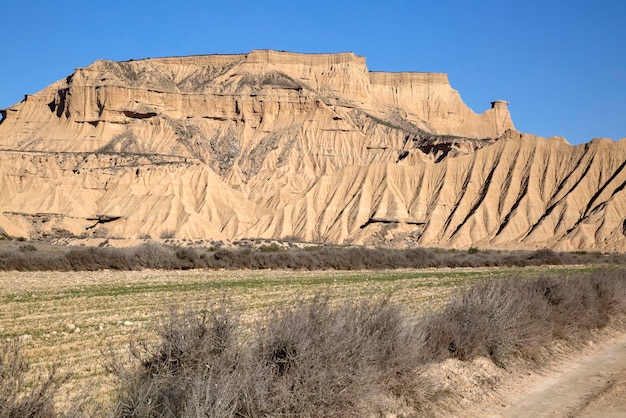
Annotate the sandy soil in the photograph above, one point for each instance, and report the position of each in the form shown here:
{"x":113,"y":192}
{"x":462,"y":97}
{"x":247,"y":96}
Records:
{"x":590,"y":384}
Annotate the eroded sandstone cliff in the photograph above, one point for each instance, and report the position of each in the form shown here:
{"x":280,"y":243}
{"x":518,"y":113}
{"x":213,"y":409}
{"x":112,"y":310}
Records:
{"x":272,"y":144}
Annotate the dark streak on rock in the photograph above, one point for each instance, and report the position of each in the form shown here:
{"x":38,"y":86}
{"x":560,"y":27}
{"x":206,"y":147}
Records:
{"x":481,"y":197}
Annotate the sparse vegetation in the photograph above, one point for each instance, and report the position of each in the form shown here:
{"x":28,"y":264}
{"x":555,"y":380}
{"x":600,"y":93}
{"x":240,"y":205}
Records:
{"x":354,"y":354}
{"x":269,"y":248}
{"x":20,"y":397}
{"x":323,"y":359}
{"x":167,"y":233}
{"x":507,"y":318}
{"x":293,"y":238}
{"x":314,"y":359}
{"x":327,"y":356}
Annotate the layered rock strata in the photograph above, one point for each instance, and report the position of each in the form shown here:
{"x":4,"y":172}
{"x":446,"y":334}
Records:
{"x":272,"y":144}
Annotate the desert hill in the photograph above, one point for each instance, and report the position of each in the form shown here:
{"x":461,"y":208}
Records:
{"x":274,"y":144}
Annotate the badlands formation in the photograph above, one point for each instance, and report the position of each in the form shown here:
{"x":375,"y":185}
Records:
{"x":273,"y":144}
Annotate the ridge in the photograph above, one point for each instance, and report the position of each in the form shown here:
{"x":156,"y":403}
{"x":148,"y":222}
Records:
{"x":271,"y":144}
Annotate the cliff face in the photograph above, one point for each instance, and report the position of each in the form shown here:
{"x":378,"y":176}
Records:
{"x":271,"y":144}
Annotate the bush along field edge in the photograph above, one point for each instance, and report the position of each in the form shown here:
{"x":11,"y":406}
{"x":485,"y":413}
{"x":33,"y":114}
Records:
{"x":152,"y":255}
{"x":322,"y":357}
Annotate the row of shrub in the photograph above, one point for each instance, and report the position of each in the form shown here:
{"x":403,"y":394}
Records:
{"x":156,"y":256}
{"x":320,"y":358}
{"x":358,"y":358}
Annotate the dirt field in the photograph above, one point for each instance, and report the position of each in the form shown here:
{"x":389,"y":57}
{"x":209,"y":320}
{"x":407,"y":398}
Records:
{"x":67,"y":319}
{"x":584,"y":382}
{"x":591,"y":384}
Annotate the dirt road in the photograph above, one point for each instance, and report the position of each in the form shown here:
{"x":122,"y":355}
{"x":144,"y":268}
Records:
{"x":591,"y":385}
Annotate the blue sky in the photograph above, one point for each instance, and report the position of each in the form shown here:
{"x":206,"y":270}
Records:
{"x":561,"y":64}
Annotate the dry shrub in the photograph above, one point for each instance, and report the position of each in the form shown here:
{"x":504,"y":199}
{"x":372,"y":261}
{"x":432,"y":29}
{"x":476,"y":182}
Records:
{"x":19,"y":396}
{"x":27,"y":248}
{"x":195,"y":365}
{"x":322,"y":360}
{"x":189,"y":258}
{"x":13,"y":261}
{"x":422,"y":258}
{"x":310,"y":360}
{"x":503,"y":319}
{"x":357,"y":358}
{"x":153,"y":256}
{"x":581,"y":303}
{"x":93,"y":258}
{"x":546,"y":256}
{"x":156,"y":256}
{"x":496,"y":319}
{"x":167,"y":234}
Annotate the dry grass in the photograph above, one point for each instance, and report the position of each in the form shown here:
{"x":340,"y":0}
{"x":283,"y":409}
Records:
{"x":20,"y":397}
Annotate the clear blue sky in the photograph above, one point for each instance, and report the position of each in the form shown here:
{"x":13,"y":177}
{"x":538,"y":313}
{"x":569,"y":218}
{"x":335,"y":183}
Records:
{"x":561,"y":64}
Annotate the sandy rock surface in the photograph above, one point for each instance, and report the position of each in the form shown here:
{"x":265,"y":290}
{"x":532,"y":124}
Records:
{"x":273,"y":144}
{"x":591,"y":383}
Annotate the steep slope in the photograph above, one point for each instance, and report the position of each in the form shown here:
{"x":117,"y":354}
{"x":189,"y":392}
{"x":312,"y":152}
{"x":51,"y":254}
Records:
{"x":273,"y":144}
{"x":58,"y":193}
{"x":521,"y":192}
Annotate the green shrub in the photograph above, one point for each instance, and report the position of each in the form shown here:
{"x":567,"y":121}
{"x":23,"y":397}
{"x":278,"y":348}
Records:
{"x":269,"y":248}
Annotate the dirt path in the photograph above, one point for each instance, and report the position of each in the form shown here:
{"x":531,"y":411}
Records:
{"x":592,"y":385}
